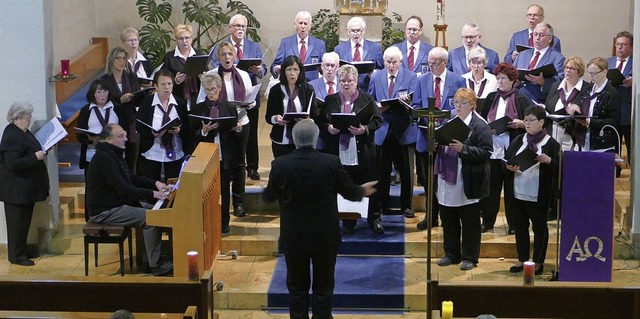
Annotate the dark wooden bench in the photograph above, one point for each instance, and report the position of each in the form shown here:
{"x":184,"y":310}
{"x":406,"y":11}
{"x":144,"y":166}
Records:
{"x":190,"y":313}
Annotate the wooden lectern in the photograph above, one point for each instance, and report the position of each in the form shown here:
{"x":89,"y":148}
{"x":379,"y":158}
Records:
{"x":194,"y":216}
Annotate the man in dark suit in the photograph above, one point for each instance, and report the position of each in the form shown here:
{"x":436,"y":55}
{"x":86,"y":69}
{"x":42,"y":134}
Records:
{"x":245,"y":49}
{"x":624,"y":62}
{"x":536,"y":87}
{"x":358,"y":49}
{"x":535,"y":15}
{"x":309,"y":222}
{"x":415,"y":50}
{"x":471,"y":37}
{"x":302,"y":44}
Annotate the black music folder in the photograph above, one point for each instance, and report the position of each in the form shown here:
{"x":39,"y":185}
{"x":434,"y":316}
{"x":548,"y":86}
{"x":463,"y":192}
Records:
{"x":363,"y":67}
{"x":195,"y":65}
{"x":86,"y":131}
{"x":312,"y":67}
{"x":224,"y":122}
{"x":342,"y":121}
{"x":480,"y":105}
{"x":143,"y":92}
{"x":292,"y":116}
{"x":245,"y":64}
{"x":397,"y":105}
{"x":525,"y":160}
{"x":615,"y":76}
{"x":522,"y":47}
{"x":500,"y":125}
{"x":547,"y":71}
{"x":455,"y":129}
{"x":171,"y":124}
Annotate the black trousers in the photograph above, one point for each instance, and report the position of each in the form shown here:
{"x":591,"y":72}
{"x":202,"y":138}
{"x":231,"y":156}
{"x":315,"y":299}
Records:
{"x":253,"y":157}
{"x":18,"y":218}
{"x":392,"y":152}
{"x":233,"y":178}
{"x":281,"y":149}
{"x":154,"y":170}
{"x":423,"y":159}
{"x":299,"y":281}
{"x":523,"y":212}
{"x":491,"y":204}
{"x":465,"y":221}
{"x":360,"y":175}
{"x":131,"y":151}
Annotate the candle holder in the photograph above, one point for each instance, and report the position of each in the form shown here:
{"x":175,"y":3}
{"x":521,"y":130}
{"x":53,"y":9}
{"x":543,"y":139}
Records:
{"x":62,"y":78}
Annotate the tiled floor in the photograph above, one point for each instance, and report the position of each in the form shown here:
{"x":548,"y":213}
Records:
{"x":246,"y":279}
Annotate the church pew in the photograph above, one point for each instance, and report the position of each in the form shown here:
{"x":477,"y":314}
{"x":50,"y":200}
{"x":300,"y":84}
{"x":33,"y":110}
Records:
{"x":543,"y":300}
{"x":190,"y":313}
{"x":107,"y":294}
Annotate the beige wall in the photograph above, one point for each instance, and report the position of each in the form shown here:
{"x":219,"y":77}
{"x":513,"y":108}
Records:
{"x":586,"y":31}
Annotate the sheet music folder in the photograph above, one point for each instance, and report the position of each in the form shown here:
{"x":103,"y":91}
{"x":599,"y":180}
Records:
{"x":363,"y":67}
{"x":245,"y":64}
{"x":522,"y":47}
{"x":500,"y":125}
{"x":525,"y":160}
{"x":50,"y":134}
{"x":292,"y":116}
{"x":86,"y":131}
{"x":195,"y":65}
{"x":455,"y":129}
{"x":615,"y":76}
{"x":396,"y":104}
{"x":547,"y":71}
{"x":224,"y":123}
{"x":171,"y":124}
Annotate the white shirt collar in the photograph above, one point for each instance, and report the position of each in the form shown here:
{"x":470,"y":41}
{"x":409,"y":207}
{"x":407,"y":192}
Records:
{"x":177,"y":53}
{"x":156,"y":100}
{"x":563,"y":85}
{"x":416,"y":46}
{"x":107,"y":105}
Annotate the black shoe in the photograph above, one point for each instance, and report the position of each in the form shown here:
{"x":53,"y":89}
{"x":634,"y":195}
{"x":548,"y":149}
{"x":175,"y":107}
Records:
{"x":24,"y":262}
{"x":516,"y":269}
{"x":376,"y":227}
{"x":238,"y":211}
{"x":618,"y":171}
{"x":253,"y":174}
{"x":163,"y":270}
{"x":551,"y":217}
{"x":423,"y":224}
{"x":484,"y":229}
{"x":408,"y":213}
{"x":511,"y":231}
{"x":540,"y":270}
{"x":33,"y":254}
{"x":226,"y":229}
{"x":145,"y":268}
{"x":347,"y":230}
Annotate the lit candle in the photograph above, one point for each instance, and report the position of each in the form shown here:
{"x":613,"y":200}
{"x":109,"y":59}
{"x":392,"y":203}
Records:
{"x":64,"y":67}
{"x":447,"y":310}
{"x":529,"y":270}
{"x":192,"y":259}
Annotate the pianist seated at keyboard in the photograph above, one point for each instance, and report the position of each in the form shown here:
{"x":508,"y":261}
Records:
{"x":113,"y":194}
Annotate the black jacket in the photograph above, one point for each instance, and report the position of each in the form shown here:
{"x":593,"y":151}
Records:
{"x":145,"y":114}
{"x":475,"y":159}
{"x":306,"y":95}
{"x":83,"y":123}
{"x":228,"y":148}
{"x":522,"y":103}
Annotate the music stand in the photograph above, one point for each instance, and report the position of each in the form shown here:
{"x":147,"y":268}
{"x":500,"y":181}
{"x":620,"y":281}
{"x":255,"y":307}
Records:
{"x":431,"y":114}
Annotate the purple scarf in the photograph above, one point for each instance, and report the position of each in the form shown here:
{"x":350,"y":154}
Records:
{"x":238,"y":84}
{"x":446,"y":164}
{"x":533,"y":140}
{"x":510,"y":97}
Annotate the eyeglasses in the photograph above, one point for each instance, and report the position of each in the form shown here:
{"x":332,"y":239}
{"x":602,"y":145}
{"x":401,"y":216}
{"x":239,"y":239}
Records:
{"x":211,"y":90}
{"x":292,"y":70}
{"x":239,"y":26}
{"x":595,"y":73}
{"x":526,"y":120}
{"x":540,"y":35}
{"x":330,"y":65}
{"x":470,"y":37}
{"x":183,"y":38}
{"x":460,"y":103}
{"x":121,"y":58}
{"x":476,"y":63}
{"x":533,"y":15}
{"x":355,"y":31}
{"x":434,"y":64}
{"x":567,"y":68}
{"x":132,"y":41}
{"x":413,"y":30}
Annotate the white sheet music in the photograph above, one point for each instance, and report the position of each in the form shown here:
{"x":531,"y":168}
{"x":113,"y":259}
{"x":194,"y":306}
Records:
{"x":347,"y":206}
{"x":50,"y":134}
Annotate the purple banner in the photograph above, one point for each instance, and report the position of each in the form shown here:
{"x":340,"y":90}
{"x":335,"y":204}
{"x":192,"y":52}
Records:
{"x":586,"y":245}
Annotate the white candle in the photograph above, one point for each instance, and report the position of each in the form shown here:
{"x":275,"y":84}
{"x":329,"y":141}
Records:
{"x":440,"y":11}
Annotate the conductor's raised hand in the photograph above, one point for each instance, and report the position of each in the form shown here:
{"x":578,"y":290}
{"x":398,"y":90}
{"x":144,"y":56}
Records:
{"x":368,"y":188}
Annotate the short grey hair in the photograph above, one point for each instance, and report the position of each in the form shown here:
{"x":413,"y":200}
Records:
{"x":305,"y":133}
{"x":330,"y":56}
{"x":19,"y":110}
{"x":440,"y":53}
{"x":477,"y":53}
{"x":472,"y":26}
{"x":392,"y":52}
{"x":303,"y":15}
{"x":356,"y":21}
{"x":348,"y":69}
{"x":236,"y":17}
{"x":211,"y":77}
{"x":546,"y":25}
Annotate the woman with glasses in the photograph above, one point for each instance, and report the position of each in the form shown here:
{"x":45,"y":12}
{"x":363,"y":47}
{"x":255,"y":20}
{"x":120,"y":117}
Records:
{"x":139,"y":64}
{"x":563,"y":99}
{"x":509,"y":102}
{"x":478,"y":79}
{"x":186,"y":87}
{"x":534,"y":189}
{"x":354,"y":144}
{"x":462,"y":169}
{"x":121,"y":83}
{"x":99,"y":111}
{"x":236,"y":86}
{"x":292,"y":95}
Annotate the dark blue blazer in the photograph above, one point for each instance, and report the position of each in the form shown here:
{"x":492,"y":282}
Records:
{"x":534,"y":91}
{"x":458,"y":60}
{"x":289,"y":46}
{"x":424,"y":90}
{"x":399,"y":123}
{"x":624,"y":92}
{"x":421,"y":59}
{"x":371,"y":52}
{"x":522,"y":38}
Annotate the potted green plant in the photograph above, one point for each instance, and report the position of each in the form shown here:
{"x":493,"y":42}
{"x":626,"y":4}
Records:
{"x":208,"y":19}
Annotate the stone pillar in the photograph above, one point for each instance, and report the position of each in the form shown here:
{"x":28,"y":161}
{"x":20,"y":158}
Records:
{"x":26,"y":63}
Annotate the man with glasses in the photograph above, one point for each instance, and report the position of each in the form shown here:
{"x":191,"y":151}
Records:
{"x":536,"y":87}
{"x":458,"y":57}
{"x":535,"y":15}
{"x":302,"y":44}
{"x":245,"y":49}
{"x":413,"y":48}
{"x":623,"y":61}
{"x":327,"y":84}
{"x":441,"y":86}
{"x":358,"y":49}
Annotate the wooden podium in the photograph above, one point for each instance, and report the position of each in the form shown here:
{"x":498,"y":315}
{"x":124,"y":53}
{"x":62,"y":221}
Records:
{"x":194,"y":216}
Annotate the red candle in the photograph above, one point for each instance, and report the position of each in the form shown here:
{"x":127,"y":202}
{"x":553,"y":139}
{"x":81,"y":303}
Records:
{"x":529,"y":270}
{"x":192,"y":259}
{"x":64,"y":67}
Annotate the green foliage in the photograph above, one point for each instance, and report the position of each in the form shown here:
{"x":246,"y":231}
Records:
{"x":325,"y":27}
{"x":391,"y":36}
{"x":209,"y":20}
